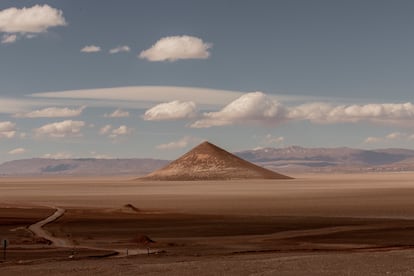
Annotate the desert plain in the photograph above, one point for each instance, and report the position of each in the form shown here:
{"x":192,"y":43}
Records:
{"x":315,"y":224}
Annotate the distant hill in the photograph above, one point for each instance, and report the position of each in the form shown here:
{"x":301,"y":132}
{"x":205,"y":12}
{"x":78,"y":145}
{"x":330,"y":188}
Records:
{"x":300,"y":159}
{"x":209,"y":162}
{"x":80,"y":167}
{"x":284,"y":160}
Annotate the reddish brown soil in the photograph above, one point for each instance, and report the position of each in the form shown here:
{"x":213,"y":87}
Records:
{"x":209,"y":162}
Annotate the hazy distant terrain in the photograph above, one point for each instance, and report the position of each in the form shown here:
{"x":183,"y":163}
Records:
{"x":300,"y":159}
{"x":81,"y":167}
{"x":289,"y":159}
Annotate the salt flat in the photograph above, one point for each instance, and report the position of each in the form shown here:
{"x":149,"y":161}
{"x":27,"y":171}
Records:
{"x":337,"y":224}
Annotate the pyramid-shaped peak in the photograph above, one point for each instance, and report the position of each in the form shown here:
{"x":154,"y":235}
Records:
{"x":209,"y":162}
{"x":205,"y":145}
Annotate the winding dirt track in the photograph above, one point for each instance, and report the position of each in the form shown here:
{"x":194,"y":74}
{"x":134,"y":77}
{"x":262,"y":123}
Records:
{"x":38,"y":230}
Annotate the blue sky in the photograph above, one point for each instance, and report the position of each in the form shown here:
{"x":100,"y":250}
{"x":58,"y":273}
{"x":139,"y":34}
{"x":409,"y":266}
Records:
{"x":154,"y":78}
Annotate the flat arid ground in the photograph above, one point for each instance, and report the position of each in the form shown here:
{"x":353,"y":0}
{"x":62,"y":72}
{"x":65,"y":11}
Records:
{"x":337,"y":224}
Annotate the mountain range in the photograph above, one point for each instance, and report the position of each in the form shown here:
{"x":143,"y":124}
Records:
{"x":300,"y":159}
{"x":284,"y":160}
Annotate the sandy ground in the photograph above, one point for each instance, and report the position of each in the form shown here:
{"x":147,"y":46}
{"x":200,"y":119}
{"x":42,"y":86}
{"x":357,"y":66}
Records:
{"x":344,"y":224}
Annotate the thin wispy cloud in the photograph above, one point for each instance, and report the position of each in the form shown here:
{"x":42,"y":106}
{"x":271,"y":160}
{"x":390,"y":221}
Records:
{"x":58,"y":155}
{"x":118,"y":113}
{"x":271,"y":140}
{"x":390,"y":138}
{"x":146,"y":95}
{"x":173,"y":48}
{"x":17,"y":151}
{"x":52,"y":112}
{"x":179,"y":144}
{"x":8,"y":38}
{"x":120,"y":49}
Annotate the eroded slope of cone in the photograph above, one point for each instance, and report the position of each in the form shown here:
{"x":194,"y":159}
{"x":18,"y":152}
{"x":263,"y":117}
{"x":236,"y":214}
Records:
{"x":209,"y":162}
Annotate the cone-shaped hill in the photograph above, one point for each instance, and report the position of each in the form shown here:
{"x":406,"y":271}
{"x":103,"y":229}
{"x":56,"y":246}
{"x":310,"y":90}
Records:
{"x":209,"y":162}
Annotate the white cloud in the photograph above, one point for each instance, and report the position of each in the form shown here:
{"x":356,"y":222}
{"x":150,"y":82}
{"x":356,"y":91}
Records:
{"x":174,"y":110}
{"x":120,"y":131}
{"x":10,"y":106}
{"x":8,"y":38}
{"x":7,"y":130}
{"x":401,"y":113}
{"x":179,"y":144}
{"x":173,"y":48}
{"x":146,"y":95}
{"x":105,"y":129}
{"x":67,"y":128}
{"x":36,"y":19}
{"x":120,"y":49}
{"x":372,"y":140}
{"x":96,"y":155}
{"x":273,"y":140}
{"x":115,"y":133}
{"x":118,"y":113}
{"x":17,"y":151}
{"x":58,"y":155}
{"x":52,"y":112}
{"x":253,"y":107}
{"x":91,"y":49}
{"x":391,"y":137}
{"x":395,"y":136}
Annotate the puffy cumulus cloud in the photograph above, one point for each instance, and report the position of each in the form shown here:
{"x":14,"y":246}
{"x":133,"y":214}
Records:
{"x":120,"y":131}
{"x":114,"y":133}
{"x":174,"y":110}
{"x":118,"y":113}
{"x":67,"y":128}
{"x":402,"y":113}
{"x":91,"y":49}
{"x":173,"y":48}
{"x":120,"y":49}
{"x":179,"y":144}
{"x":17,"y":151}
{"x":36,"y":19}
{"x":7,"y":130}
{"x":52,"y":112}
{"x":105,"y":129}
{"x":28,"y":22}
{"x":8,"y":38}
{"x":253,"y":107}
{"x":58,"y":155}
